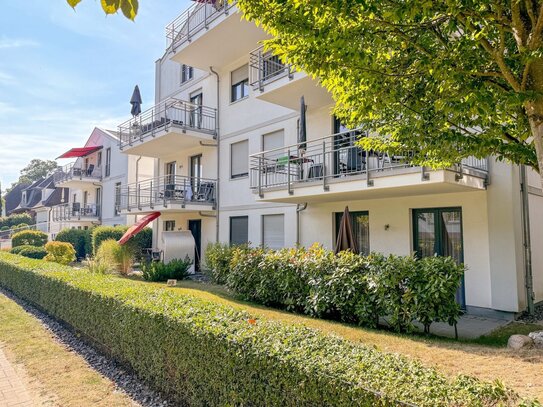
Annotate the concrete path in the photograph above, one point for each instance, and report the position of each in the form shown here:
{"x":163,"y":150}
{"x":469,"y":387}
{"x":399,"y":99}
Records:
{"x":13,"y":392}
{"x":469,"y":327}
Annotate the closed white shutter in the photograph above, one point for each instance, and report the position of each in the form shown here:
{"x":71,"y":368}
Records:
{"x":240,"y":74}
{"x":239,"y":230}
{"x":273,"y":140}
{"x":273,"y":231}
{"x":239,"y":159}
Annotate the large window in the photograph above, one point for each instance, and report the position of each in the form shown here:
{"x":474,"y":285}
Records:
{"x":186,"y":73}
{"x":240,"y":83}
{"x":239,"y":159}
{"x":239,"y":230}
{"x":360,"y":222}
{"x":273,"y":231}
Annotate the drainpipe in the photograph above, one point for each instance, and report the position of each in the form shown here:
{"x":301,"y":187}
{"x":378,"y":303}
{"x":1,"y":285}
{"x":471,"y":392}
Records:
{"x":526,"y":240}
{"x":299,"y":208}
{"x":138,"y":168}
{"x":217,"y":189}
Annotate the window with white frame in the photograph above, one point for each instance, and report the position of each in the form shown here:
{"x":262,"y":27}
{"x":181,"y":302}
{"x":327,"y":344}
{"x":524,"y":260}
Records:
{"x":239,"y":80}
{"x":273,"y":231}
{"x":239,"y":159}
{"x":273,"y":140}
{"x":169,"y":225}
{"x":187,"y":73}
{"x":239,"y":230}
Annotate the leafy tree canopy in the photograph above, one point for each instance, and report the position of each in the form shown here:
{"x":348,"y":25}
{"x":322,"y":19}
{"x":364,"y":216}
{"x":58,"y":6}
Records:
{"x":128,"y":7}
{"x":36,"y":170}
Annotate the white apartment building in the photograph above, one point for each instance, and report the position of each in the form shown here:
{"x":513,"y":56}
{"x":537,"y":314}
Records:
{"x":228,"y":165}
{"x":94,"y":181}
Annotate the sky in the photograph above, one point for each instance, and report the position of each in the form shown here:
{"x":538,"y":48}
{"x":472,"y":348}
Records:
{"x":64,"y":72}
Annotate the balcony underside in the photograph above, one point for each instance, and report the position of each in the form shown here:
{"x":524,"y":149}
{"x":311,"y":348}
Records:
{"x":170,"y":207}
{"x":164,"y":141}
{"x":78,"y":183}
{"x":405,"y":182}
{"x":287,"y":91}
{"x":225,"y":40}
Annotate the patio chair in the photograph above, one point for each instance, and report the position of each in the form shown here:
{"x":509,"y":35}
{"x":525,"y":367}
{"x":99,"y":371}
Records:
{"x":90,"y":170}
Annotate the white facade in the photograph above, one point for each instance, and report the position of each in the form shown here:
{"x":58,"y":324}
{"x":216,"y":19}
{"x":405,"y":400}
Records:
{"x":485,"y":196}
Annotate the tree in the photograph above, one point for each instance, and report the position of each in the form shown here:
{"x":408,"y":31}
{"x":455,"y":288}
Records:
{"x":36,"y":170}
{"x":128,"y":7}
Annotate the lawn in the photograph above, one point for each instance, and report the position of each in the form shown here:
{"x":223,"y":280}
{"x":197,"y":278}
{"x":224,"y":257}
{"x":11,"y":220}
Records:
{"x":486,"y":358}
{"x":59,"y":376}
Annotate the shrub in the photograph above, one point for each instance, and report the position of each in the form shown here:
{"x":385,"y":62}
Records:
{"x":158,"y":271}
{"x":31,"y":252}
{"x":29,"y":237}
{"x":4,"y":228}
{"x":202,"y":352}
{"x":97,"y":265}
{"x":121,"y":258}
{"x":60,"y":252}
{"x":21,"y":226}
{"x":217,"y":261}
{"x":14,"y":220}
{"x":143,"y":240}
{"x":80,"y":239}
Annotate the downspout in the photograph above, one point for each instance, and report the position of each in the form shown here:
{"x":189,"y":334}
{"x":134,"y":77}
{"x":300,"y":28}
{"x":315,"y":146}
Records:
{"x":299,"y":208}
{"x":217,"y":190}
{"x":526,"y":240}
{"x":137,"y":180}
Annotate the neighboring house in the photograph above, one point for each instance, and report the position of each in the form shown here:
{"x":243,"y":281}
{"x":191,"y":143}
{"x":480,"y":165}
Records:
{"x":12,"y":199}
{"x":94,"y":180}
{"x":228,"y":166}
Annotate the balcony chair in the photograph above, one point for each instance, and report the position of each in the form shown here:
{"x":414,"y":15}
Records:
{"x":90,"y":170}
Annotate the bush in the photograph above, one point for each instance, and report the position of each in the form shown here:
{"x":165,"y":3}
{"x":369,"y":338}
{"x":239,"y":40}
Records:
{"x":14,"y":220}
{"x":201,"y":352}
{"x":21,"y":226}
{"x":158,"y":271}
{"x":217,"y":260}
{"x":80,"y":239}
{"x":31,"y":252}
{"x":29,"y":237}
{"x":121,"y":258}
{"x":349,"y":287}
{"x":138,"y":243}
{"x":60,"y":252}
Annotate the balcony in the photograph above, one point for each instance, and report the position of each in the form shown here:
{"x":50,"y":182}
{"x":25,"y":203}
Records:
{"x":333,"y":168}
{"x":279,"y":83}
{"x":76,"y":212}
{"x":75,"y":175}
{"x":169,"y":193}
{"x":211,"y":34}
{"x":170,"y":126}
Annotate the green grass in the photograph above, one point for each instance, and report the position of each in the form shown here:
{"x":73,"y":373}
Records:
{"x":500,"y":336}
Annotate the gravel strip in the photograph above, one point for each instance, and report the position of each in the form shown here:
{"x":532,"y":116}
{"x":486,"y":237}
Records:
{"x":125,"y":381}
{"x":536,"y":318}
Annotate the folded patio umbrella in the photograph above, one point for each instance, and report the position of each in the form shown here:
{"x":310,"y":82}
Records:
{"x":345,"y":236}
{"x":136,"y":102}
{"x":302,"y":131}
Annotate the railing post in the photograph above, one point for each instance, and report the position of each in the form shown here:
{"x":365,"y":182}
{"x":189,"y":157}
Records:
{"x":151,"y":195}
{"x":184,"y":197}
{"x":205,"y":15}
{"x":260,"y":170}
{"x":260,"y":69}
{"x":324,"y":186}
{"x":290,"y":192}
{"x":128,"y":206}
{"x":424,"y":176}
{"x":188,"y":27}
{"x":138,"y":196}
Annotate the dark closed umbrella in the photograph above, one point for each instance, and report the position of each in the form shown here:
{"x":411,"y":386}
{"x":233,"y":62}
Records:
{"x":345,"y":236}
{"x":135,"y":101}
{"x":302,"y":131}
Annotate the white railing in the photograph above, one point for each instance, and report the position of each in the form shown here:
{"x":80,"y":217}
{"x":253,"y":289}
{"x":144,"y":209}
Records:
{"x":165,"y":190}
{"x":196,"y":18}
{"x":75,"y":211}
{"x":7,"y":234}
{"x":265,"y":67}
{"x":165,"y":115}
{"x":71,"y":171}
{"x":335,"y":157}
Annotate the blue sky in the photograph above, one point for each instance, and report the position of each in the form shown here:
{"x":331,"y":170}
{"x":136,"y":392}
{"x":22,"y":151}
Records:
{"x":63,"y":72}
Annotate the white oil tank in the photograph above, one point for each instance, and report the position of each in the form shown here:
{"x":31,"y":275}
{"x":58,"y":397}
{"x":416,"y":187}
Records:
{"x":178,"y":245}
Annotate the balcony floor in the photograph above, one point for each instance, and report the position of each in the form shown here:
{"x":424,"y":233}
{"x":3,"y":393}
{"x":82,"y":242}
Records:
{"x":170,"y":207}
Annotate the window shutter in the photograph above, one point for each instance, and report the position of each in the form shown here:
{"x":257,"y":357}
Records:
{"x":239,"y":158}
{"x":239,"y":230}
{"x":273,"y":231}
{"x":273,"y":140}
{"x":240,"y":74}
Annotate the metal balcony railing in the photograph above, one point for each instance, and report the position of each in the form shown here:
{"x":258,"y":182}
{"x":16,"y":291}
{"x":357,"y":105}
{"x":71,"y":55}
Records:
{"x":266,"y":68}
{"x":165,"y":115}
{"x":75,"y":211}
{"x":71,"y":171}
{"x":165,"y":190}
{"x":336,"y":157}
{"x":196,"y":18}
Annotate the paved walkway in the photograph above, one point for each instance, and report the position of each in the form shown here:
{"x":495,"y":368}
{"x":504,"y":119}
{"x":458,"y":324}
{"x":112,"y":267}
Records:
{"x":12,"y":389}
{"x":469,"y":327}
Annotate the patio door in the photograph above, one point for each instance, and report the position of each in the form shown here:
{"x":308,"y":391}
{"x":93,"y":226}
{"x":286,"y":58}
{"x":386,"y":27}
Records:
{"x":439,"y":231}
{"x":195,"y":226}
{"x":195,"y":173}
{"x":347,"y":157}
{"x":196,"y":110}
{"x":360,"y":221}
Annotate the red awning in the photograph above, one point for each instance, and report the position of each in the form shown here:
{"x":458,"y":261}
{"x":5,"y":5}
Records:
{"x":80,"y":152}
{"x":138,"y":227}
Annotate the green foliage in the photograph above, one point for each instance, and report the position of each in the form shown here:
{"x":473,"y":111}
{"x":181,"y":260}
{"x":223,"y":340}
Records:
{"x":9,"y":222}
{"x":60,"y":252}
{"x":142,"y":240}
{"x":157,"y":271}
{"x":97,"y":265}
{"x":21,"y":226}
{"x":217,"y":261}
{"x":29,"y":237}
{"x":36,"y":170}
{"x":80,"y":239}
{"x":31,"y":252}
{"x":129,"y":8}
{"x":200,"y":352}
{"x":120,"y":258}
{"x":347,"y":286}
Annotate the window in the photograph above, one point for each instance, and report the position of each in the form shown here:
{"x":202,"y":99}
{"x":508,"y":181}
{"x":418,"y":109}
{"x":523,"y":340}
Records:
{"x":197,"y":100}
{"x":239,"y":230}
{"x":169,"y":225}
{"x":240,"y":83}
{"x":99,"y":159}
{"x":360,"y":221}
{"x":273,"y":231}
{"x":108,"y":162}
{"x":273,"y":140}
{"x":239,"y":159}
{"x":186,"y":73}
{"x":169,"y":171}
{"x":117,"y":208}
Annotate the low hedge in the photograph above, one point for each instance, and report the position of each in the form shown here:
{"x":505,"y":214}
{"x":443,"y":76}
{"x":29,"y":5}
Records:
{"x":80,"y":239}
{"x":143,"y":240}
{"x":32,"y":252}
{"x":29,"y":237}
{"x":16,"y":219}
{"x":200,"y":352}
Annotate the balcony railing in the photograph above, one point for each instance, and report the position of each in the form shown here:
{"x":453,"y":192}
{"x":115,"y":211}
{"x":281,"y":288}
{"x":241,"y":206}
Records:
{"x":165,"y":190}
{"x":75,"y":211}
{"x":335,"y":157}
{"x":196,"y":18}
{"x":266,"y":68}
{"x":71,"y":171}
{"x":167,"y":114}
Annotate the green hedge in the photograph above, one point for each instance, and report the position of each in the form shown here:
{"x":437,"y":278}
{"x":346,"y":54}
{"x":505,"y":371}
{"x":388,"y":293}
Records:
{"x":17,"y":219}
{"x":80,"y":239}
{"x":346,"y":287}
{"x":143,"y":240}
{"x":200,"y":352}
{"x":29,"y":237}
{"x":31,"y":252}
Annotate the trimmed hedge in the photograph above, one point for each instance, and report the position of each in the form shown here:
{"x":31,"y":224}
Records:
{"x":31,"y":252}
{"x":80,"y":239}
{"x":217,"y":260}
{"x":17,"y":219}
{"x":29,"y":237}
{"x":201,"y":352}
{"x":143,"y":240}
